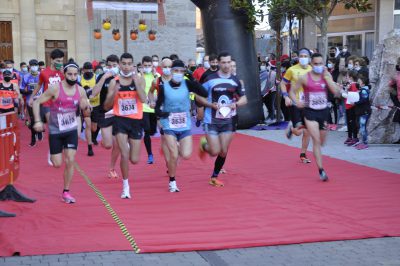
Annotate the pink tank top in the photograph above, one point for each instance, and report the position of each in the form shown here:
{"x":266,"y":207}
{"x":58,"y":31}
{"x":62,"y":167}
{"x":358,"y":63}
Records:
{"x":63,"y":112}
{"x":316,"y":93}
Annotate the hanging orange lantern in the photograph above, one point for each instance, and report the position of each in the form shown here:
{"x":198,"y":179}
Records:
{"x":107,"y":23}
{"x":142,"y":25}
{"x":134,"y":34}
{"x":116,"y":34}
{"x":152,"y":35}
{"x":97,"y":34}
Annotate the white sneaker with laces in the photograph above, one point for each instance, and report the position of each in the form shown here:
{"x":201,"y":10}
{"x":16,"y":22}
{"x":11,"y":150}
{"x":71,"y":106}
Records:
{"x":173,"y":187}
{"x":125,"y":193}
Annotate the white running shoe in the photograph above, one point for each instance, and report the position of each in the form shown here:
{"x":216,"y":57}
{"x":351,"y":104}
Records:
{"x":342,"y":129}
{"x":125,"y":193}
{"x":49,"y":159}
{"x":173,"y":187}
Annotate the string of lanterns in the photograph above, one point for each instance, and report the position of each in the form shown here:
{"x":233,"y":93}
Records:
{"x":134,"y":34}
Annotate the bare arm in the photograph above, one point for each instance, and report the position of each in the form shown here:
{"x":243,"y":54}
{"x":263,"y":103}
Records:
{"x":35,"y":91}
{"x":333,"y":87}
{"x":46,"y":96}
{"x":293,"y":91}
{"x":140,"y":87}
{"x":109,"y":102}
{"x":97,"y":88}
{"x":84,"y":102}
{"x":151,"y":93}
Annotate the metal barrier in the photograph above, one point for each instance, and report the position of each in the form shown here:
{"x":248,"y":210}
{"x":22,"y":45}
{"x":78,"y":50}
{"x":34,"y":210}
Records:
{"x":10,"y":160}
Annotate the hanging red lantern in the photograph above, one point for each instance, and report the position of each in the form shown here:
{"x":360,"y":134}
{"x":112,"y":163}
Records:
{"x":97,"y":34}
{"x":152,"y":35}
{"x":116,"y":34}
{"x":134,"y":34}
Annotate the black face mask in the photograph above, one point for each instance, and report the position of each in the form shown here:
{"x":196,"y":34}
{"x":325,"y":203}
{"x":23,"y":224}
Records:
{"x":398,"y":67}
{"x":332,"y":55}
{"x":70,"y":82}
{"x":193,"y":68}
{"x":214,"y":68}
{"x":7,"y":79}
{"x":88,"y":75}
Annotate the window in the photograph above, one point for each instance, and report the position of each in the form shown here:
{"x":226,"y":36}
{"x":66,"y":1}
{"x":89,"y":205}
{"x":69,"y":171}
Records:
{"x":335,"y":41}
{"x":396,"y":21}
{"x":397,"y":5}
{"x":369,"y":44}
{"x":354,"y":43}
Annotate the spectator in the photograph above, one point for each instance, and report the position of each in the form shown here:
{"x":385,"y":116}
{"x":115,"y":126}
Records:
{"x":345,"y":52}
{"x":363,"y":111}
{"x":361,"y":67}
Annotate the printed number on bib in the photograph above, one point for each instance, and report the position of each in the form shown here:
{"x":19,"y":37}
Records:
{"x":67,"y":121}
{"x":6,"y":101}
{"x":127,"y":107}
{"x":318,"y":100}
{"x":177,"y":120}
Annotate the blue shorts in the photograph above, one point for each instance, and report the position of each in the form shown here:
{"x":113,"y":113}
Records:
{"x":178,"y":134}
{"x":216,"y":129}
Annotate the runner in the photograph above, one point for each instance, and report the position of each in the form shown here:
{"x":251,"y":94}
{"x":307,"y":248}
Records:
{"x":126,"y":97}
{"x":49,"y":76}
{"x":225,"y":94}
{"x":296,"y":125}
{"x":65,"y":99}
{"x":173,"y":98}
{"x":149,"y":117}
{"x":88,"y":81}
{"x":106,"y":124}
{"x":315,"y":85}
{"x":9,"y":93}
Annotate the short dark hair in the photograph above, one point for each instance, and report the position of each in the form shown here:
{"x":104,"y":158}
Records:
{"x":70,"y":63}
{"x":174,"y":57}
{"x":147,"y":59}
{"x":165,"y":57}
{"x":223,"y":54}
{"x":315,"y":55}
{"x":8,"y":62}
{"x":22,"y":64}
{"x":212,"y":57}
{"x":126,"y":56}
{"x":353,"y":74}
{"x":112,"y":58}
{"x":154,"y":55}
{"x":364,"y":79}
{"x":56,"y":53}
{"x":41,"y":63}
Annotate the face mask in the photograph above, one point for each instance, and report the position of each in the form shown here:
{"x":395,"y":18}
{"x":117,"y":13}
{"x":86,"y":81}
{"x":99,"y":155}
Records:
{"x":303,"y":61}
{"x":206,"y":65}
{"x":166,"y":71}
{"x":332,"y":54}
{"x":34,"y":68}
{"x":115,"y":70}
{"x":357,"y":68}
{"x":193,"y":68}
{"x":70,"y":82}
{"x":214,"y":68}
{"x":318,"y":69}
{"x":105,"y":69}
{"x":330,"y":65}
{"x":99,"y":72}
{"x":147,"y":70}
{"x":122,"y":74}
{"x":10,"y":69}
{"x":7,"y":79}
{"x":155,"y":64}
{"x":177,"y":77}
{"x":88,"y":75}
{"x":350,"y":66}
{"x":24,"y":69}
{"x":344,"y":50}
{"x":398,"y":67}
{"x":58,"y":66}
{"x":263,"y":68}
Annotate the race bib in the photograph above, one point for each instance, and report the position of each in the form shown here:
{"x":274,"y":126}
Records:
{"x":127,"y":107}
{"x":67,"y":121}
{"x":177,"y":120}
{"x":6,"y":101}
{"x":224,"y":112}
{"x":318,"y":100}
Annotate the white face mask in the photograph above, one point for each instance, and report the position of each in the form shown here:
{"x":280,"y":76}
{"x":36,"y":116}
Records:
{"x":147,"y":70}
{"x":263,"y":68}
{"x":115,"y":70}
{"x":34,"y":68}
{"x":207,"y":65}
{"x":318,"y":69}
{"x":303,"y":61}
{"x":155,"y":64}
{"x":330,"y":65}
{"x":24,"y":69}
{"x":122,"y":74}
{"x":10,"y":69}
{"x":350,"y":66}
{"x":344,"y":50}
{"x":357,"y":68}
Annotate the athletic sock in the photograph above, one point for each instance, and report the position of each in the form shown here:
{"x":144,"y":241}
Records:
{"x":171,"y":178}
{"x":125,"y":182}
{"x":219,"y":163}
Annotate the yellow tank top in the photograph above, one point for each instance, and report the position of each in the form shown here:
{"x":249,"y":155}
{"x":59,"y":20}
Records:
{"x":95,"y":101}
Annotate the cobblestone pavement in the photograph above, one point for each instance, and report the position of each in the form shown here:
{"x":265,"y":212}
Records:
{"x":367,"y":252}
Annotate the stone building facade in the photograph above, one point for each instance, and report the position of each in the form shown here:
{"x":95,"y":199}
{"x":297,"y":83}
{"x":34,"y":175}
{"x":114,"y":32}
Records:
{"x":37,"y":26}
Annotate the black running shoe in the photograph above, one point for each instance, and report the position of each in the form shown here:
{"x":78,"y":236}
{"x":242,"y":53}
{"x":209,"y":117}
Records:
{"x":323,"y":176}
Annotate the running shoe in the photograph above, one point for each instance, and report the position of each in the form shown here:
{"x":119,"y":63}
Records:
{"x":223,"y":171}
{"x":125,"y":193}
{"x":33,"y":143}
{"x":95,"y":142}
{"x":288,"y":131}
{"x":323,"y":176}
{"x":150,"y":159}
{"x":198,"y":123}
{"x":202,"y":151}
{"x":215,"y":182}
{"x":362,"y":146}
{"x":304,"y":159}
{"x":67,"y":198}
{"x":356,"y":142}
{"x":113,"y":174}
{"x":347,"y":141}
{"x":90,"y":151}
{"x":40,"y":136}
{"x":342,"y":129}
{"x":173,"y":187}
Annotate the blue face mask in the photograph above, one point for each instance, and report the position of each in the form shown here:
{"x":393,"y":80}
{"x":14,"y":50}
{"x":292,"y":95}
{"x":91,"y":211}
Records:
{"x":318,"y":69}
{"x":166,"y":71}
{"x":177,"y":77}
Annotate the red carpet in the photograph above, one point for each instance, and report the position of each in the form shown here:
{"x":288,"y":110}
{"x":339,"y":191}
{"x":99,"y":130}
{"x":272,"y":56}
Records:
{"x":269,"y":198}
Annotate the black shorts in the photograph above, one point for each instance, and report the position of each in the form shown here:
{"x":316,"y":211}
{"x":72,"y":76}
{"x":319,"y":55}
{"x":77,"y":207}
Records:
{"x":320,"y":116}
{"x":95,"y":114}
{"x":3,"y":111}
{"x":132,"y":127}
{"x":103,"y":122}
{"x":61,"y":141}
{"x":296,"y":116}
{"x":149,"y":123}
{"x":216,"y":129}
